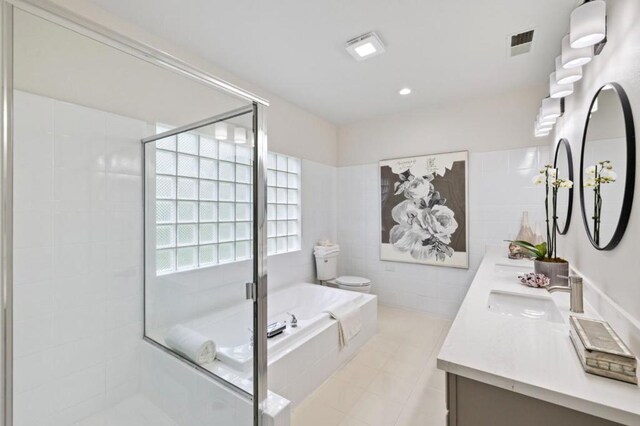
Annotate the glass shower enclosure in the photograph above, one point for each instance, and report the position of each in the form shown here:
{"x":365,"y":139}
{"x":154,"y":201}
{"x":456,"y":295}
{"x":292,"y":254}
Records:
{"x":133,"y":231}
{"x":204,"y":239}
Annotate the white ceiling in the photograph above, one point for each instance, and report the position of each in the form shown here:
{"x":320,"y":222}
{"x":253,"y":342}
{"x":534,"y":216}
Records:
{"x":442,"y":49}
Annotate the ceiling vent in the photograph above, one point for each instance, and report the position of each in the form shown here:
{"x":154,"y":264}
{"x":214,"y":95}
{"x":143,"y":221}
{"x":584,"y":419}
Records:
{"x":365,"y":46}
{"x":520,"y":43}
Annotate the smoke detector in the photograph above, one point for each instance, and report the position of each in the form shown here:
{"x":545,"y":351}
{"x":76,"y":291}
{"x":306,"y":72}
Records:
{"x":520,"y":43}
{"x":365,"y":46}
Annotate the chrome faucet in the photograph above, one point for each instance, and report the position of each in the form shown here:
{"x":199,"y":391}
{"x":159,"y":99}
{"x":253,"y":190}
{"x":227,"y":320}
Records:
{"x":294,"y":320}
{"x":574,"y":289}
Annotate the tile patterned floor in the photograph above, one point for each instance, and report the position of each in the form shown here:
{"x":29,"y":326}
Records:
{"x":392,"y":380}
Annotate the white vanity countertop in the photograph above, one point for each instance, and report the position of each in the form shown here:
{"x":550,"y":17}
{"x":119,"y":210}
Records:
{"x":529,"y":356}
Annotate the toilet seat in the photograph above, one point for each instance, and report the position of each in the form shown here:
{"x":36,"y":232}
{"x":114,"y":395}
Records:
{"x":352,"y":281}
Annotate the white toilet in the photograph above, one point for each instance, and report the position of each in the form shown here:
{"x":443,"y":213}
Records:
{"x":327,"y":267}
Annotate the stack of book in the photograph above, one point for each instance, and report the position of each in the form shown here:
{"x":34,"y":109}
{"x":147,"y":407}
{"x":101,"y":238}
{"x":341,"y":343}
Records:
{"x":601,"y":351}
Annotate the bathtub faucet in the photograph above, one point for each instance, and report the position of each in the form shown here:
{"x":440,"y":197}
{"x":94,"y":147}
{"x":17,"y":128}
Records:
{"x":294,"y":320}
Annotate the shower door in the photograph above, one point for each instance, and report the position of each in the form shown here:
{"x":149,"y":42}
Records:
{"x":205,"y":274}
{"x":110,"y":246}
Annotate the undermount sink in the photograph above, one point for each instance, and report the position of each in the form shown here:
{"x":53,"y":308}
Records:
{"x":513,"y":269}
{"x":524,"y":306}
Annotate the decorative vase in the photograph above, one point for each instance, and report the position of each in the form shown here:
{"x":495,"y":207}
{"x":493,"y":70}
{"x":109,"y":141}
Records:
{"x":525,"y":234}
{"x":553,"y":270}
{"x":537,"y":235}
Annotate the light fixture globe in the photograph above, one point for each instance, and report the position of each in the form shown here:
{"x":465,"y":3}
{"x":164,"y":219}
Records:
{"x":545,"y":121}
{"x":239,"y":135}
{"x":572,"y":58}
{"x":541,"y":133}
{"x":588,"y":24}
{"x":567,"y":75}
{"x":559,"y":90}
{"x":220,"y":131}
{"x":551,"y":109}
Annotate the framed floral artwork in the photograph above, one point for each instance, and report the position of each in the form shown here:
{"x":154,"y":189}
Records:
{"x":423,"y":209}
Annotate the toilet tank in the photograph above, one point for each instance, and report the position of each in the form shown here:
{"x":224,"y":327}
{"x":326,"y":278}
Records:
{"x":327,"y":266}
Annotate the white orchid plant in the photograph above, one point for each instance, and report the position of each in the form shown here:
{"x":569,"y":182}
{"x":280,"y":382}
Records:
{"x":597,"y":175}
{"x":424,"y":224}
{"x":546,"y":251}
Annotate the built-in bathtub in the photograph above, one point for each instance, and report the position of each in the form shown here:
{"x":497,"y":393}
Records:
{"x":300,"y":358}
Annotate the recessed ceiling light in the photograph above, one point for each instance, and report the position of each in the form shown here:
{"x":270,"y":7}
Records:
{"x":365,"y":49}
{"x":404,"y":91}
{"x":365,"y":46}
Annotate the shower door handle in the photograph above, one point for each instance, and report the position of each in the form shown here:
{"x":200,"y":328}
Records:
{"x":250,"y":291}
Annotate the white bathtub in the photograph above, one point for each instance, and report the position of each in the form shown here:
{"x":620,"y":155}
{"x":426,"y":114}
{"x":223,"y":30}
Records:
{"x":230,"y":329}
{"x":312,"y":345}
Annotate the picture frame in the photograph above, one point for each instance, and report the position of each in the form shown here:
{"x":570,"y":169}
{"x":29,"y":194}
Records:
{"x":424,"y":216}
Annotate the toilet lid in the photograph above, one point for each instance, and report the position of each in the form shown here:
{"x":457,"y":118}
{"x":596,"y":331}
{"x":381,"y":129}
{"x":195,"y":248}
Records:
{"x":353,"y":281}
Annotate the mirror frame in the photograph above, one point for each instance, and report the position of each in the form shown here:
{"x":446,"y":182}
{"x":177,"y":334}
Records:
{"x":563,"y":143}
{"x":630,"y":176}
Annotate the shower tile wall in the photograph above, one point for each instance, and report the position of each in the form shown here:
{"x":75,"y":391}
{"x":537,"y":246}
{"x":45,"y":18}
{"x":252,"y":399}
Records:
{"x":77,"y":259}
{"x":78,"y":263}
{"x":500,"y":189}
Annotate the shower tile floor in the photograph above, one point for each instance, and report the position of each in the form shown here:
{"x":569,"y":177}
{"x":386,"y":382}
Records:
{"x":134,"y":411}
{"x":392,"y":380}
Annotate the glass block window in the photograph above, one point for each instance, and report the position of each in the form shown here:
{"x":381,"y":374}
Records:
{"x":283,"y":204}
{"x":204,"y":194}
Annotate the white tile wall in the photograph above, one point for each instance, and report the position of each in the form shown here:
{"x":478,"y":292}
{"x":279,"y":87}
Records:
{"x":77,"y":280}
{"x":500,"y":189}
{"x":78,"y":270}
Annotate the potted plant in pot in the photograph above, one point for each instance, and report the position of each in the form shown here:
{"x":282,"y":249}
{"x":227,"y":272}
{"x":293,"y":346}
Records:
{"x":546,"y":260}
{"x":597,"y":175}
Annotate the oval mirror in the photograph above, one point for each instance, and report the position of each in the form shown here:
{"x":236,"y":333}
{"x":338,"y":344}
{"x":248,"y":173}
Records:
{"x":607,"y":167}
{"x":563,"y":163}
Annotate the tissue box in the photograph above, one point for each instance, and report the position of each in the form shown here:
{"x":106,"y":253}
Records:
{"x":601,"y":351}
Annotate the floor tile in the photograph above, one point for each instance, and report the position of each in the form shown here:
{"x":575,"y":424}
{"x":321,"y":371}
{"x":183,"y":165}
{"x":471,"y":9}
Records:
{"x":357,"y":374}
{"x":315,"y":414}
{"x":338,"y":393}
{"x":391,"y":381}
{"x":391,"y":387}
{"x":371,"y":358}
{"x":376,"y":411}
{"x":352,"y":421}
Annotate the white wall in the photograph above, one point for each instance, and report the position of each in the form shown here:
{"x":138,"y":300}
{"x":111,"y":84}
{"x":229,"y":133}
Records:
{"x":77,"y":260}
{"x":500,"y":189}
{"x":501,"y":121}
{"x":504,"y":156}
{"x":78,"y":268}
{"x":292,"y":130}
{"x":612,"y":272}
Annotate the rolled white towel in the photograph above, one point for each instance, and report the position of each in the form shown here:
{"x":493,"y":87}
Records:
{"x":191,"y":344}
{"x":325,"y":250}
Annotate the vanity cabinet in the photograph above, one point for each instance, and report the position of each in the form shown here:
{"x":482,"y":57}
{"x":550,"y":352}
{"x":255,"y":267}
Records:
{"x":473,"y":403}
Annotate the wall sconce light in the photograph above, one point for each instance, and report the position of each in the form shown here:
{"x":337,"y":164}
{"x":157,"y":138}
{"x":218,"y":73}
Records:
{"x":559,"y":90}
{"x":588,"y":24}
{"x":220,"y":131}
{"x":239,"y":135}
{"x":572,"y":58}
{"x":567,"y":75}
{"x":545,"y":121}
{"x":540,"y":131}
{"x":551,"y":108}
